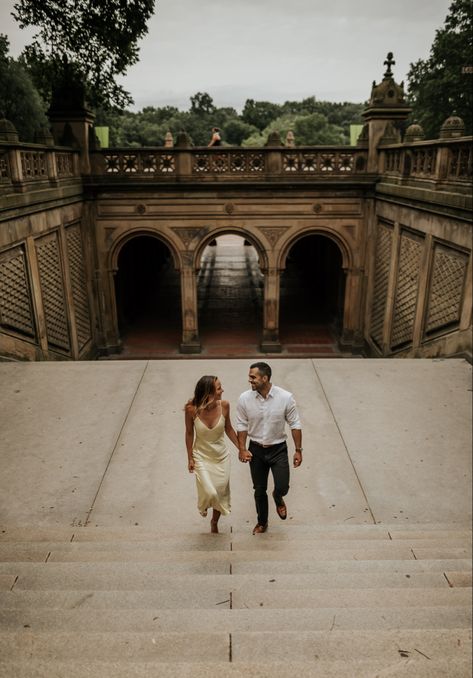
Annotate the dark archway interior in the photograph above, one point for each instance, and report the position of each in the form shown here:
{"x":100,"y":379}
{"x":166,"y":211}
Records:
{"x":312,"y":291}
{"x":148,"y":293}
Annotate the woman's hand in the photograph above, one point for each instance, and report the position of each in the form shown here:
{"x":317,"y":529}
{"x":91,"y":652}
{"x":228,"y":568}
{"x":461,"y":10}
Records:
{"x":191,"y":464}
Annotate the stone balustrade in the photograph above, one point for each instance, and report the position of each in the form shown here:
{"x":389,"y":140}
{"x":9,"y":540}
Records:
{"x":250,"y":164}
{"x":24,"y":165}
{"x":439,"y":160}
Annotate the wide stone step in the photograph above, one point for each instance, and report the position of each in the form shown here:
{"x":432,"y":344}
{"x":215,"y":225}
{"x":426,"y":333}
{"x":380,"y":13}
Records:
{"x":284,"y":646}
{"x":146,"y":576}
{"x":188,"y":597}
{"x":358,"y":531}
{"x":143,"y":553}
{"x":235,"y":620}
{"x":404,"y":667}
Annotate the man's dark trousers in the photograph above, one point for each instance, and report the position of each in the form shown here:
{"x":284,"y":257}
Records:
{"x":275,"y":458}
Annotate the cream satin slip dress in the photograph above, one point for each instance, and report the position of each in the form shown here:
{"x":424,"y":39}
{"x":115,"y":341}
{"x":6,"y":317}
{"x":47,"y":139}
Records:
{"x":212,"y":466}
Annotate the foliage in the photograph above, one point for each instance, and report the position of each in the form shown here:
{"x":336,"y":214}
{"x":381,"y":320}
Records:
{"x":312,"y":122}
{"x":260,"y":113}
{"x":439,"y":86}
{"x":20,"y":101}
{"x":85,"y":41}
{"x":309,"y":130}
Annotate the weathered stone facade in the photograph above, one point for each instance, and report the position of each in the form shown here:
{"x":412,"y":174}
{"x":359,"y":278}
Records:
{"x":399,"y":213}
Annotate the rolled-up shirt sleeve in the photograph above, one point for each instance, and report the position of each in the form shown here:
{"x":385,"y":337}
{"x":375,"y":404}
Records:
{"x":241,"y":416}
{"x":292,"y":415}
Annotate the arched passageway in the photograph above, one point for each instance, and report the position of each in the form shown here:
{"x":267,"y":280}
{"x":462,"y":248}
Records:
{"x":230,"y":297}
{"x":312,"y":292}
{"x":147,"y":288}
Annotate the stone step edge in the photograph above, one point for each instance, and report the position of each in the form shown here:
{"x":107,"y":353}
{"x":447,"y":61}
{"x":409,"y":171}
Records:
{"x":412,"y":666}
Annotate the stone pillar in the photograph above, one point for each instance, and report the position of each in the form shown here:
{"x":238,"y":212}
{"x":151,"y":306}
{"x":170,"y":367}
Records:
{"x":190,"y":330}
{"x":71,"y":121}
{"x":352,"y":331}
{"x":386,"y":107}
{"x":270,"y":341}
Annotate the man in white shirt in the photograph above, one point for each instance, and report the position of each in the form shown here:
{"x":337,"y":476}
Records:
{"x":262,"y":414}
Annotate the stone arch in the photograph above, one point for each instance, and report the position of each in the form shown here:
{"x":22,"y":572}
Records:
{"x":313,"y":302}
{"x":127,"y":315}
{"x":232,"y":230}
{"x":345,"y":249}
{"x":128,"y":235}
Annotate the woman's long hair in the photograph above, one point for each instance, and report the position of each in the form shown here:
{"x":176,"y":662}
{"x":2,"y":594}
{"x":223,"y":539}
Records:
{"x":204,"y":392}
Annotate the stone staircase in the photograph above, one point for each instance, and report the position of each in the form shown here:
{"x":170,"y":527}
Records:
{"x":330,"y":601}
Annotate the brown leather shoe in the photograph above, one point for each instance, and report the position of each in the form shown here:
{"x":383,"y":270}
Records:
{"x":258,"y":529}
{"x":281,"y":509}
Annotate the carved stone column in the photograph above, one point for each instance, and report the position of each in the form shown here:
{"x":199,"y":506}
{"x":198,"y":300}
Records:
{"x":352,"y":331}
{"x":190,"y":330}
{"x":270,"y":341}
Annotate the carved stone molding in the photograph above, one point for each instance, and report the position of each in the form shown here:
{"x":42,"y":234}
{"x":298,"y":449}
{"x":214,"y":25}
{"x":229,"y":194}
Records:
{"x":141,"y":209}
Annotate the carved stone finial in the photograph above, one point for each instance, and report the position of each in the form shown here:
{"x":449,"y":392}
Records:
{"x":168,"y":140}
{"x":290,"y":139}
{"x":389,"y":62}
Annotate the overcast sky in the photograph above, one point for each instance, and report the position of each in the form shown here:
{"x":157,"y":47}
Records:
{"x":270,"y":49}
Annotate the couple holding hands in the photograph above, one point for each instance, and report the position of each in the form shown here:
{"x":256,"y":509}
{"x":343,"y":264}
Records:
{"x":262,"y":413}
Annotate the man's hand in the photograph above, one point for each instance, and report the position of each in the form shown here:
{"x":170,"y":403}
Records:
{"x":191,"y":464}
{"x":245,"y":456}
{"x":297,"y":458}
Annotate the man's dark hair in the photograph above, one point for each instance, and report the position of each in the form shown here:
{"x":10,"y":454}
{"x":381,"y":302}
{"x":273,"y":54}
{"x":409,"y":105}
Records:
{"x":264,"y":369}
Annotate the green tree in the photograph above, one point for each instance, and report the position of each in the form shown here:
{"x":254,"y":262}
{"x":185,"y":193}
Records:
{"x":440,"y":85}
{"x":85,"y":41}
{"x":309,"y":130}
{"x":20,"y":101}
{"x":260,"y":113}
{"x":202,"y":104}
{"x":235,"y":131}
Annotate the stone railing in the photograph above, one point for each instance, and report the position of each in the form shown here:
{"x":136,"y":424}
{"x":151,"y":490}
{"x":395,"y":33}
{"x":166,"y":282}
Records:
{"x":440,"y":160}
{"x":229,"y":164}
{"x":24,"y":165}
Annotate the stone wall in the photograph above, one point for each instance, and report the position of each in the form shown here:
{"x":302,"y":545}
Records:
{"x":46,"y":257}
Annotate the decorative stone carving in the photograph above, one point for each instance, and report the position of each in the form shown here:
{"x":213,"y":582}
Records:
{"x":187,"y":234}
{"x":229,"y":208}
{"x":317,"y":208}
{"x":290,"y":139}
{"x":168,"y":140}
{"x":414,"y":133}
{"x":273,"y":233}
{"x":452,"y":127}
{"x":141,"y":209}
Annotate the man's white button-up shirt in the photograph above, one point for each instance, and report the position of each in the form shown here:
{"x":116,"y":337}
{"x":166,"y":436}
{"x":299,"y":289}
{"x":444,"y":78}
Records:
{"x":265,"y":418}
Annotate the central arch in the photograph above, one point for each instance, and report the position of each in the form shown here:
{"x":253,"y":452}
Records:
{"x":230,"y":293}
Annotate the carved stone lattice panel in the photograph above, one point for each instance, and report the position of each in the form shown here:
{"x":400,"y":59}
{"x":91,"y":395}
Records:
{"x":381,"y":280}
{"x":273,"y":234}
{"x":406,"y":290}
{"x":52,"y":289}
{"x":4,"y":166}
{"x":65,"y":164}
{"x":79,"y":284}
{"x":446,"y":288}
{"x":15,"y":295}
{"x":33,"y":165}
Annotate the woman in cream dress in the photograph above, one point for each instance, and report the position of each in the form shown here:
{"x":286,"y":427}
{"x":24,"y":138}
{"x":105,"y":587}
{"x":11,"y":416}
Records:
{"x":207,"y":421}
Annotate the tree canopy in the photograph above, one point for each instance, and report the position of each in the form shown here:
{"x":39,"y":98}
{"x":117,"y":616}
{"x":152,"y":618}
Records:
{"x":93,"y":42}
{"x":441,"y":85}
{"x":20,"y":103}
